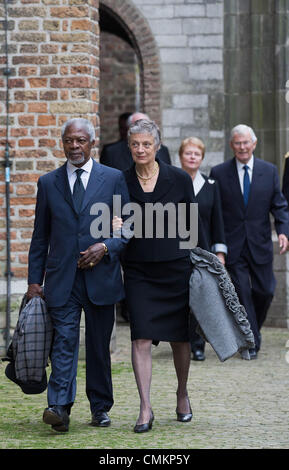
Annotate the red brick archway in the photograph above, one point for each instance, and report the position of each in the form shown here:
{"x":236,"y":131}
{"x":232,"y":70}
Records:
{"x":143,"y":43}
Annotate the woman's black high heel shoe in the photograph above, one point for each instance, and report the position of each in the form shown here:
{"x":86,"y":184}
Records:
{"x":184,"y":417}
{"x":145,"y":427}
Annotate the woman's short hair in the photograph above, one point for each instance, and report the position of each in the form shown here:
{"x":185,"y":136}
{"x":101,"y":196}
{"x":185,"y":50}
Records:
{"x":243,"y":129}
{"x":145,"y":126}
{"x":192,"y":141}
{"x":84,"y":123}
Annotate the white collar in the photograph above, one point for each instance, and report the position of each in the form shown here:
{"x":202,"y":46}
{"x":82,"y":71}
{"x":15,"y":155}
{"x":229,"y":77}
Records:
{"x":198,"y":182}
{"x":250,"y":164}
{"x":72,"y":168}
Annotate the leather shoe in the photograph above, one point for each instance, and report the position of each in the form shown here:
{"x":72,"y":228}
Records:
{"x":145,"y":427}
{"x":57,"y":417}
{"x":184,"y":417}
{"x":253,"y":354}
{"x":100,"y":419}
{"x":198,"y":355}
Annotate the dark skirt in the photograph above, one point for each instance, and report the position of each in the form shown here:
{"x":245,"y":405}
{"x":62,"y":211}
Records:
{"x":157,"y":296}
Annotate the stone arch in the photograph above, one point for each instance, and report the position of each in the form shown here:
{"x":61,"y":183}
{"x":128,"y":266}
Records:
{"x":141,"y":39}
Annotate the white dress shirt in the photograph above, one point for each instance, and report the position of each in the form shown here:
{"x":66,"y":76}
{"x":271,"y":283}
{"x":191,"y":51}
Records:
{"x":71,"y":169}
{"x":241,"y":171}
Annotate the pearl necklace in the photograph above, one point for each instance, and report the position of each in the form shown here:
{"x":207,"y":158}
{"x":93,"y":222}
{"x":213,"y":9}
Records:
{"x":144,"y":178}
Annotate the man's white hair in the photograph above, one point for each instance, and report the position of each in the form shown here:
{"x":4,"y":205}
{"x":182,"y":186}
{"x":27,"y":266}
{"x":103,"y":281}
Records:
{"x":243,"y":129}
{"x":136,"y":117}
{"x":85,"y":123}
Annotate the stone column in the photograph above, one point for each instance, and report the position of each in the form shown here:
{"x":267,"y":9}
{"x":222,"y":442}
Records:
{"x":249,"y":50}
{"x":256,"y":71}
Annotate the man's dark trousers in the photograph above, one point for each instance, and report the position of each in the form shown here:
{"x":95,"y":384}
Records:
{"x":99,"y":324}
{"x":255,"y":286}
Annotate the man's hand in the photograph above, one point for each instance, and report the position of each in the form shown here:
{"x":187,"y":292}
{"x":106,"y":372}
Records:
{"x":34,"y":290}
{"x":283,"y":243}
{"x":91,"y":256}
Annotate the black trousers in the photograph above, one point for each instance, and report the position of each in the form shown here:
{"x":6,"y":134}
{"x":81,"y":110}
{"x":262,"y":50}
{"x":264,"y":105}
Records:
{"x":99,"y":320}
{"x":255,"y":285}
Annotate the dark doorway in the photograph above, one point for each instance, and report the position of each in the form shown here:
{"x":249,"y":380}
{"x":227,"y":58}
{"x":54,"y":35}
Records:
{"x":119,"y":75}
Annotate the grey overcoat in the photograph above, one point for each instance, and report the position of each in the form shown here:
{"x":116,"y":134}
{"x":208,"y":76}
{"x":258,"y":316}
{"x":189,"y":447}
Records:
{"x":213,"y":300}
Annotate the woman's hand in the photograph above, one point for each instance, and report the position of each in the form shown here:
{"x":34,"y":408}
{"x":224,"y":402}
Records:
{"x":221,"y":257}
{"x":117,"y":223}
{"x":283,"y":243}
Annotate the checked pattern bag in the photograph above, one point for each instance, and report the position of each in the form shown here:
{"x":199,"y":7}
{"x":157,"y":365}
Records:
{"x":32,"y":339}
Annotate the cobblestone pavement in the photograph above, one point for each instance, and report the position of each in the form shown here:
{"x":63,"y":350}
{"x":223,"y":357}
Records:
{"x":236,"y":404}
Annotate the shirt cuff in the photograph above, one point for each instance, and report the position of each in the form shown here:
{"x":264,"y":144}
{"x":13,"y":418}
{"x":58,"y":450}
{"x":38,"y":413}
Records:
{"x":219,"y":248}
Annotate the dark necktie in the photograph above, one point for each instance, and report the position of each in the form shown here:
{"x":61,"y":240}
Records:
{"x":78,"y":190}
{"x":246,"y":185}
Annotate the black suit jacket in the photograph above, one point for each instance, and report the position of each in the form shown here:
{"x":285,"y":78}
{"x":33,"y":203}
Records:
{"x":210,"y":210}
{"x":251,"y":224}
{"x":117,"y":155}
{"x":173,"y":186}
{"x":60,"y":233}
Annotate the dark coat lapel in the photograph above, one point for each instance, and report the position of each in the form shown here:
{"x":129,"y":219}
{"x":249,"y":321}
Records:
{"x":164,"y":182}
{"x":234,"y":184}
{"x":62,"y":184}
{"x":95,"y":183}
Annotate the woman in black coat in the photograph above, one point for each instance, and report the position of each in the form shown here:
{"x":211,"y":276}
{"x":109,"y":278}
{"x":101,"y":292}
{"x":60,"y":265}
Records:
{"x":191,"y":153}
{"x":157,"y":270}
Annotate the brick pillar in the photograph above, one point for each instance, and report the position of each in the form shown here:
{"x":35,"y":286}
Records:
{"x":53,"y":57}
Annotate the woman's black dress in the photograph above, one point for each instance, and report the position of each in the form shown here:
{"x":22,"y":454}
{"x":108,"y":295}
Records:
{"x":157,"y":296}
{"x":156,"y":272}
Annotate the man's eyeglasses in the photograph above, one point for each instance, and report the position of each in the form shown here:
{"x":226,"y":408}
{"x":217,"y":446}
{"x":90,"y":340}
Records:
{"x":246,"y":143}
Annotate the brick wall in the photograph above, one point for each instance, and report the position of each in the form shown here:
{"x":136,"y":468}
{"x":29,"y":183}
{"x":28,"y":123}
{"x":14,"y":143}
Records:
{"x":138,"y":30}
{"x":53,"y":57}
{"x":117,"y":84}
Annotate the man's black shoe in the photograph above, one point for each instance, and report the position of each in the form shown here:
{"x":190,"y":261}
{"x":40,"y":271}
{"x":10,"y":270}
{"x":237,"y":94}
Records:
{"x":57,"y":417}
{"x":198,"y":355}
{"x":100,"y":419}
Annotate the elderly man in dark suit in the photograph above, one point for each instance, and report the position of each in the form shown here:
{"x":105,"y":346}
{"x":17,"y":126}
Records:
{"x":250,"y":192}
{"x":81,"y":271}
{"x":117,"y":155}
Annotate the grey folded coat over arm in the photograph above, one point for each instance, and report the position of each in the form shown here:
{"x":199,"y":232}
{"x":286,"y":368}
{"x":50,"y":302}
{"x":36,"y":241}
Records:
{"x":213,"y":300}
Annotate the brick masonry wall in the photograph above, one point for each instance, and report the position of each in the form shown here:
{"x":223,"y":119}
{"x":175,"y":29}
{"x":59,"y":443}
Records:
{"x":54,"y":75}
{"x":53,"y":57}
{"x":117,"y":84}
